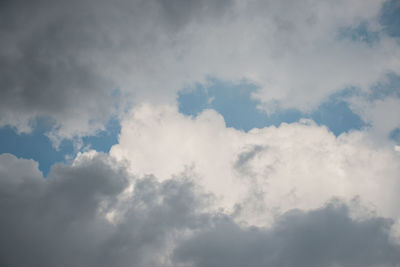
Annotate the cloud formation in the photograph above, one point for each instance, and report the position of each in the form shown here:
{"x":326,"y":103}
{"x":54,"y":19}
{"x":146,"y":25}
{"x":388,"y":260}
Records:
{"x":188,"y":191}
{"x":66,"y":61}
{"x":64,"y":220}
{"x":323,"y":237}
{"x":275,"y":169}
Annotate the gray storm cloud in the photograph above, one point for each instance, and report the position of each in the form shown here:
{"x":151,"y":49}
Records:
{"x":61,"y":221}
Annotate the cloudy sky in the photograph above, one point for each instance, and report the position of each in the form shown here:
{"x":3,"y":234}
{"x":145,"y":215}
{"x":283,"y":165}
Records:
{"x":200,"y":133}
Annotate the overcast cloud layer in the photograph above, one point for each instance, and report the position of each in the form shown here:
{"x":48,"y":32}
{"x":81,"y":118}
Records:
{"x":66,"y":60}
{"x":188,"y":191}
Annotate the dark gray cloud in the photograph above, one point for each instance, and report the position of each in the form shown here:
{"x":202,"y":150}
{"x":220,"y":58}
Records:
{"x":324,"y":237}
{"x":244,"y":158}
{"x":47,"y":67}
{"x":60,"y":221}
{"x":55,"y":222}
{"x":65,"y":60}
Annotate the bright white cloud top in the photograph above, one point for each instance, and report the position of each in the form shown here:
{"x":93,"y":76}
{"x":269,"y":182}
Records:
{"x":187,"y":190}
{"x":298,"y":165}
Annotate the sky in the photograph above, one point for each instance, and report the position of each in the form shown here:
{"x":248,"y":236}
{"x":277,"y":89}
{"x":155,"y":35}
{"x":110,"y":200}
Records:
{"x":200,"y":133}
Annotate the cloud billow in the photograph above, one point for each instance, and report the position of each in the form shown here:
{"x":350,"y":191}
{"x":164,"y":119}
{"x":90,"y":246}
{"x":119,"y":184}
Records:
{"x":62,"y":221}
{"x":65,"y":61}
{"x":189,"y":190}
{"x":322,"y":237}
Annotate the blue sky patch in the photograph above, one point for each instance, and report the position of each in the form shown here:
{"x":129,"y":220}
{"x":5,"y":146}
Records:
{"x":389,"y":87}
{"x":233,"y":102}
{"x":361,"y":33}
{"x":390,"y":17}
{"x":240,"y":111}
{"x":336,"y":114}
{"x":104,"y":140}
{"x":37,"y":146}
{"x":395,"y":135}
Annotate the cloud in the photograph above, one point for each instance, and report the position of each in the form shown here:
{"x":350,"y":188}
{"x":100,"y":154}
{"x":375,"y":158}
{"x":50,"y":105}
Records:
{"x":188,"y":190}
{"x":65,"y":220}
{"x":54,"y":222}
{"x":322,"y":237}
{"x":378,"y":108}
{"x":66,"y":61}
{"x":262,"y":172}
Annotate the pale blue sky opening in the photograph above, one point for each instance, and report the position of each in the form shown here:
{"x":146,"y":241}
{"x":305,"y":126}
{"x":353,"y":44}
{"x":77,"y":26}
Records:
{"x":239,"y":109}
{"x":37,"y":146}
{"x":390,"y":17}
{"x":361,"y":33}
